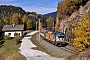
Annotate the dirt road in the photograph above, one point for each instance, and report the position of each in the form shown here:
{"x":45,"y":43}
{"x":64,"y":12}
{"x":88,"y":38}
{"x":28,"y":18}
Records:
{"x":31,"y":54}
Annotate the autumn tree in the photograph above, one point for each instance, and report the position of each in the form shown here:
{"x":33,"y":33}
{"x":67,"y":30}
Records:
{"x":82,"y":33}
{"x":50,"y":21}
{"x":29,"y":24}
{"x":78,"y":1}
{"x":60,"y":10}
{"x":43,"y":21}
{"x":69,"y":7}
{"x":15,"y":18}
{"x":57,"y":25}
{"x":19,"y":17}
{"x":60,"y":14}
{"x":6,"y":21}
{"x":24,"y":19}
{"x":40,"y":26}
{"x":72,"y":5}
{"x":69,"y":32}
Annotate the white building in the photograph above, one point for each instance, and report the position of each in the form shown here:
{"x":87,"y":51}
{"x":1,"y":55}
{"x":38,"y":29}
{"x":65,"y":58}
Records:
{"x":12,"y":29}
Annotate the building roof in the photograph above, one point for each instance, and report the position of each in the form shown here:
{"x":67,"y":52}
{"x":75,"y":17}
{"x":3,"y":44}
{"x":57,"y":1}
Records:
{"x":13,"y":27}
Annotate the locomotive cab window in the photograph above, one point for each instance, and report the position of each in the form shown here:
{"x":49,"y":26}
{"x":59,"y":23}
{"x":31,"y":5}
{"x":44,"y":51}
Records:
{"x":60,"y":36}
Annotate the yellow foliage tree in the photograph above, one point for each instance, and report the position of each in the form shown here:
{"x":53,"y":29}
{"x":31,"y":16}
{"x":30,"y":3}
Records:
{"x":50,"y":21}
{"x":40,"y":26}
{"x":29,"y":24}
{"x":24,"y":19}
{"x":57,"y":26}
{"x":5,"y":21}
{"x":15,"y":18}
{"x":60,"y":15}
{"x":82,"y":32}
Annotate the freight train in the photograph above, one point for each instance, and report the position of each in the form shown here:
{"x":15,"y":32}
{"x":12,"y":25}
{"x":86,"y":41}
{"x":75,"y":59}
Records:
{"x":56,"y":38}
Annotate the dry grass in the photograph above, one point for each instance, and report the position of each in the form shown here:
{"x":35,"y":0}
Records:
{"x":15,"y":56}
{"x":85,"y":55}
{"x":76,"y":55}
{"x":1,"y":57}
{"x":41,"y":48}
{"x":10,"y":51}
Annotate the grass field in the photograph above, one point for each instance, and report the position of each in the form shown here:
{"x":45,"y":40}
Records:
{"x":9,"y":50}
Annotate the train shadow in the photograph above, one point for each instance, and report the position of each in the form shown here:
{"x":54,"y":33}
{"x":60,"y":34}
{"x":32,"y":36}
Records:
{"x":63,"y":45}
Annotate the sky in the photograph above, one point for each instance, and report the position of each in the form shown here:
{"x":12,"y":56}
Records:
{"x":39,"y":6}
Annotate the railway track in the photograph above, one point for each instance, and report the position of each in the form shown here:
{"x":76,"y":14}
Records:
{"x":66,"y":50}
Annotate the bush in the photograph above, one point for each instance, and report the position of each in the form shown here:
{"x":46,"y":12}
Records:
{"x":7,"y":37}
{"x":82,"y":33}
{"x":17,"y":37}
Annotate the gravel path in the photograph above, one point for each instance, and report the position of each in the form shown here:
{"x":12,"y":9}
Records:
{"x":31,"y":54}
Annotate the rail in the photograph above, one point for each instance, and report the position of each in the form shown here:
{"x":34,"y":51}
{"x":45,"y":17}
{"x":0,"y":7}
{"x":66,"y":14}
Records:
{"x":55,"y":49}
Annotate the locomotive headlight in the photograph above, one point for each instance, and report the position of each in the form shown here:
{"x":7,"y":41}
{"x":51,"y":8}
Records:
{"x":49,"y":32}
{"x":60,"y":38}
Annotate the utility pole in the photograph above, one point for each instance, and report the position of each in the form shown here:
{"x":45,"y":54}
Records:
{"x":36,"y":23}
{"x":39,"y":29}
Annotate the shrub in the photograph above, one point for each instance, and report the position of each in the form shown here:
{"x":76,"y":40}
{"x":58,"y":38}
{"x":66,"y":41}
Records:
{"x":82,"y":32}
{"x":7,"y":37}
{"x":17,"y":37}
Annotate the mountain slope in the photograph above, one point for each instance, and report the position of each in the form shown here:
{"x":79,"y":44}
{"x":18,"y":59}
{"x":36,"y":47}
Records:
{"x":53,"y":15}
{"x":11,"y":9}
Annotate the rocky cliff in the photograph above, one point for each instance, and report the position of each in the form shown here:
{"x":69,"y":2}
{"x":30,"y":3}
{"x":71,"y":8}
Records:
{"x":65,"y":23}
